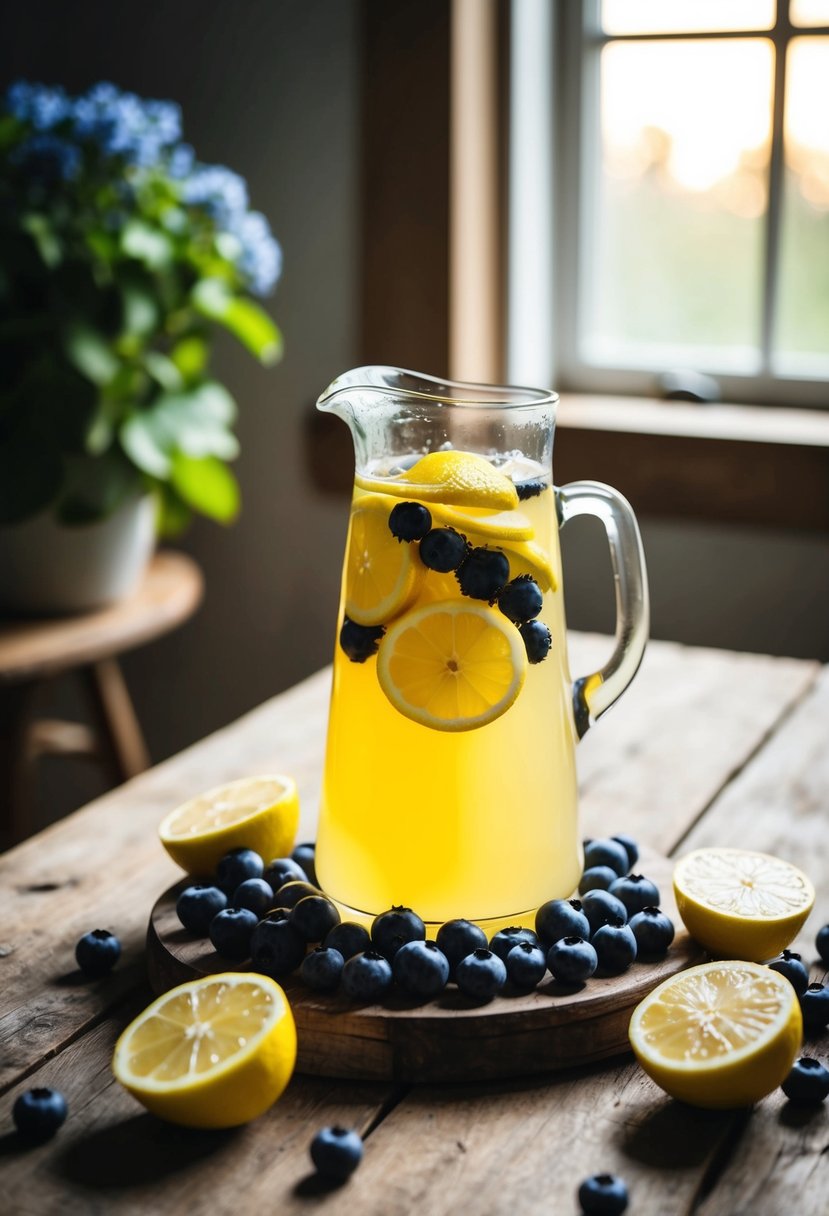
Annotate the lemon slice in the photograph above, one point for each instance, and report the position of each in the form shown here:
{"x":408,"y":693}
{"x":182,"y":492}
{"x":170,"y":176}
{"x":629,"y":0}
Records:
{"x":216,"y":1052}
{"x":719,"y":1035}
{"x":481,"y":526}
{"x":528,"y":557}
{"x":463,"y":479}
{"x":452,"y":666}
{"x":260,"y":813}
{"x":739,"y":904}
{"x":382,"y":574}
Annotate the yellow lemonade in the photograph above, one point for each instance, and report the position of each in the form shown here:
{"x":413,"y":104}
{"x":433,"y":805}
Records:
{"x":450,"y":782}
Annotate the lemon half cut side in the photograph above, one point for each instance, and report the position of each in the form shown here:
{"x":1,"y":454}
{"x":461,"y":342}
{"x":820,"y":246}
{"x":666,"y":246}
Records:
{"x":260,"y":813}
{"x":216,"y":1052}
{"x":741,"y":904}
{"x":720,"y":1035}
{"x":452,"y":666}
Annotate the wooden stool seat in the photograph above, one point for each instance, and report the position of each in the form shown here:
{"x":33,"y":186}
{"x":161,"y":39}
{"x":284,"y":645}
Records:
{"x":34,"y":651}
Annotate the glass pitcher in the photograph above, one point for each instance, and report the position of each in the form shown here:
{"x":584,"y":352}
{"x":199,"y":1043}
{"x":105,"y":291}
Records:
{"x":450,"y":783}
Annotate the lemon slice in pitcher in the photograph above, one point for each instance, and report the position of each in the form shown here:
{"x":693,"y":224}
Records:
{"x":718,"y":1035}
{"x":462,"y":479}
{"x":740,"y":904}
{"x":382,"y":575}
{"x":216,"y":1052}
{"x":452,"y":666}
{"x":260,"y":813}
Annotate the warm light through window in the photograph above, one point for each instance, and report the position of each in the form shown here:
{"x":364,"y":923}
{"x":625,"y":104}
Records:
{"x":687,"y":16}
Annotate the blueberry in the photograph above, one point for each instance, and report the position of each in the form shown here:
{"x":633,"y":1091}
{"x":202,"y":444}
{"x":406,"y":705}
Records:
{"x":503,"y":941}
{"x":336,"y":1153}
{"x":237,"y":866}
{"x":292,"y":892}
{"x":420,"y":970}
{"x":285,"y":869}
{"x":457,"y":938}
{"x":367,"y":976}
{"x":391,"y":930}
{"x":480,"y":975}
{"x":521,"y":599}
{"x":315,"y":917}
{"x":482,"y":574}
{"x":409,"y":521}
{"x":97,"y":952}
{"x":600,"y":908}
{"x":603,"y":1195}
{"x":305,"y":856}
{"x":537,"y":640}
{"x":615,"y":946}
{"x":807,"y":1084}
{"x":654,"y":932}
{"x":822,"y":944}
{"x":277,"y":947}
{"x":197,"y":905}
{"x":231,"y":931}
{"x":529,"y":489}
{"x":38,"y":1113}
{"x":561,"y":918}
{"x":597,"y":878}
{"x":360,"y":642}
{"x":322,"y":969}
{"x":606,"y":853}
{"x":255,"y":894}
{"x":795,"y":970}
{"x":443,"y":549}
{"x":349,"y":938}
{"x":526,"y":965}
{"x":636,"y":892}
{"x":572,"y":960}
{"x":814,"y":1004}
{"x":630,"y":846}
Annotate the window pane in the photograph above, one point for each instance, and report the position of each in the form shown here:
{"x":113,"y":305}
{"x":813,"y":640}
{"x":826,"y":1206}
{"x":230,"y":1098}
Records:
{"x":687,"y":16}
{"x":809,"y":12}
{"x":676,"y":234}
{"x":803,"y":319}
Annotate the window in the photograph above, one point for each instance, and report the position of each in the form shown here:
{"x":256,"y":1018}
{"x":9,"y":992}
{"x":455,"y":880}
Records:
{"x":691,"y":193}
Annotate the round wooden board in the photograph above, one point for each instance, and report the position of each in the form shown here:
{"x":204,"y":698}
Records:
{"x":448,"y":1039}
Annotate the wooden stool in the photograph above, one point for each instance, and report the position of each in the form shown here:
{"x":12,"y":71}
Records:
{"x":34,"y":651}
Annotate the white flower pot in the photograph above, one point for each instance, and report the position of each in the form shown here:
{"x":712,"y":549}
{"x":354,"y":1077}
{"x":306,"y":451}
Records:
{"x":48,"y":568}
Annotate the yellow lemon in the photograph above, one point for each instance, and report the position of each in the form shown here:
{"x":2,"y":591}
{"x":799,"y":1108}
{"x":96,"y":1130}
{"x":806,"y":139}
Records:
{"x":527,"y":557}
{"x":719,"y":1035}
{"x":382,"y":575}
{"x":216,"y":1052}
{"x":739,"y":904}
{"x":463,"y":479}
{"x":260,"y":813}
{"x":482,"y":527}
{"x":452,"y":666}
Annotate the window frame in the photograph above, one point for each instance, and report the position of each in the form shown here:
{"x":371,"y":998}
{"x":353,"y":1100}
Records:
{"x":573,"y":51}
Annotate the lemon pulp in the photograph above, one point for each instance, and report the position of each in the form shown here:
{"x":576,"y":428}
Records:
{"x":382,"y":574}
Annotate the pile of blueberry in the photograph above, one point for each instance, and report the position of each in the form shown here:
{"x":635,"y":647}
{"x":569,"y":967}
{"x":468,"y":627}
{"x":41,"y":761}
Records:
{"x":482,"y":574}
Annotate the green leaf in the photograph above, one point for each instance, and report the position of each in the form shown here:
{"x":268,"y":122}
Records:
{"x":146,"y":444}
{"x":146,"y":243}
{"x":172,"y":513}
{"x":207,"y":485}
{"x":244,"y":319}
{"x":31,"y":473}
{"x":190,"y":356}
{"x":45,"y":238}
{"x":163,"y":370}
{"x":96,"y":486}
{"x":141,"y":313}
{"x":194,"y":422}
{"x":89,"y":353}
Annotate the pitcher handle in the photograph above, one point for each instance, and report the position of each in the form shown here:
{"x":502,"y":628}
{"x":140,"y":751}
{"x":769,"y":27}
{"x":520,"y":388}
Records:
{"x":595,"y":693}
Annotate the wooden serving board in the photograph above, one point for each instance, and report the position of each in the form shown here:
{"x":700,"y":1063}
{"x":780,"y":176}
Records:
{"x":448,"y":1039}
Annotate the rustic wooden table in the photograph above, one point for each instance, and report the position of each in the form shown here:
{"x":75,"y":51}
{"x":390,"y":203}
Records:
{"x":707,"y":748}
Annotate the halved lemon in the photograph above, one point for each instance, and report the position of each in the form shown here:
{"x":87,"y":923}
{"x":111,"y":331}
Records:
{"x":382,"y":574}
{"x":740,"y":904}
{"x":718,"y":1035}
{"x":216,"y":1052}
{"x":452,"y":666}
{"x":463,"y":479}
{"x":260,"y":813}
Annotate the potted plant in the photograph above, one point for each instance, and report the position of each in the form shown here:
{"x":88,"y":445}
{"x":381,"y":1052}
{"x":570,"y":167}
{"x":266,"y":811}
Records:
{"x":120,"y":254}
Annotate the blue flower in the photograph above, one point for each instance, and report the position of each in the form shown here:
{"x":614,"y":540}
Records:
{"x":220,"y":192}
{"x":260,"y":260}
{"x":125,"y":126}
{"x":41,"y":105}
{"x":182,"y":159}
{"x":46,"y":158}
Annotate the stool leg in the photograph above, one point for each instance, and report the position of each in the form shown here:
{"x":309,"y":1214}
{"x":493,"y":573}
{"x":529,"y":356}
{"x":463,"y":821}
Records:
{"x":16,"y":768}
{"x":122,"y":735}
